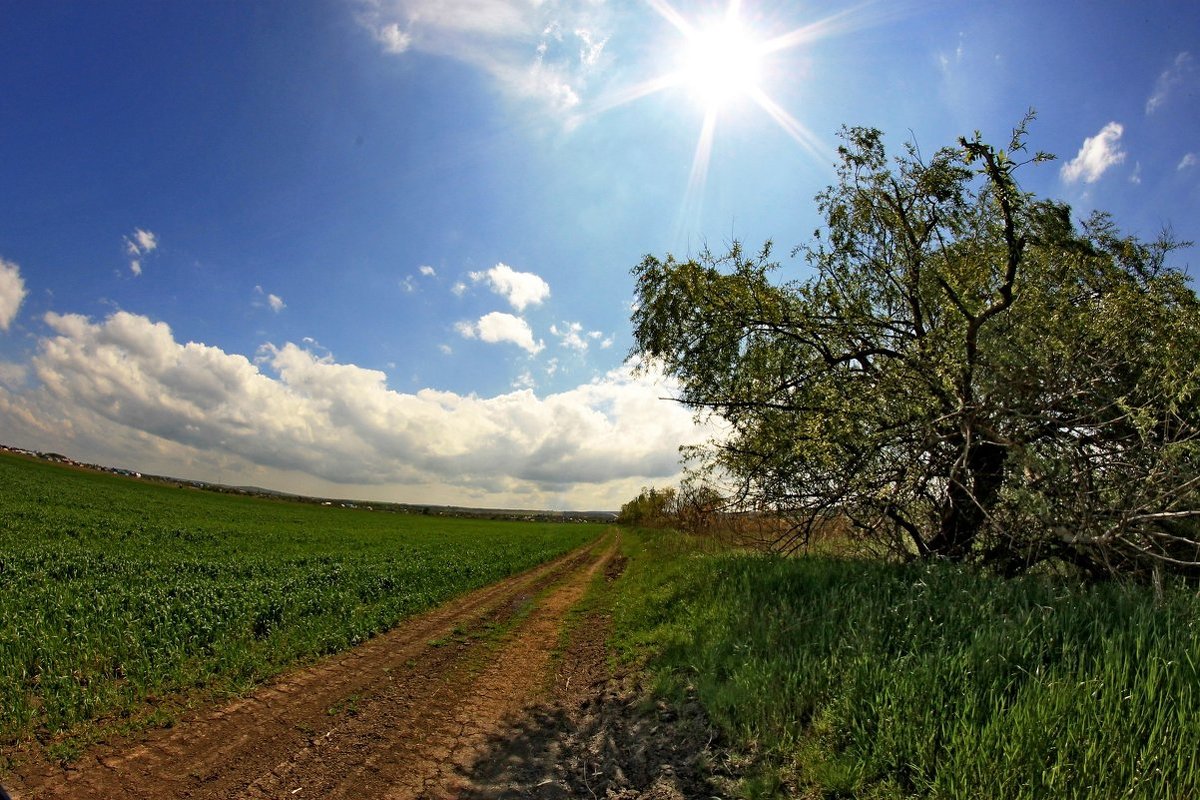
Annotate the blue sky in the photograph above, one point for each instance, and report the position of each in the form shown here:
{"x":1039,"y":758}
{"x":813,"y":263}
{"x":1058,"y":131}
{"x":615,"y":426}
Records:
{"x":381,"y":248}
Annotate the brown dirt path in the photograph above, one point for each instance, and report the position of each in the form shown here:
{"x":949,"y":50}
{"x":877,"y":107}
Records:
{"x":407,"y":715}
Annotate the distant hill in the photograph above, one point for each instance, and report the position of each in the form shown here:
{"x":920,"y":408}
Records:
{"x":530,"y":515}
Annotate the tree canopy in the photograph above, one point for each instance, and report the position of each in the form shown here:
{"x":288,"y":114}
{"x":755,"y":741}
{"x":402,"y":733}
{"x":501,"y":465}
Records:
{"x":970,"y":374}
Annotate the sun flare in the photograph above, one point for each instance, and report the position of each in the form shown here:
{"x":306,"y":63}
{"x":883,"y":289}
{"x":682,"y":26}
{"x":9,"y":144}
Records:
{"x":725,"y":61}
{"x":721,"y":62}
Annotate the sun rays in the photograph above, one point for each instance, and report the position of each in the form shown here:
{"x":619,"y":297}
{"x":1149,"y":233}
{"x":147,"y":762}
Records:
{"x":722,"y":61}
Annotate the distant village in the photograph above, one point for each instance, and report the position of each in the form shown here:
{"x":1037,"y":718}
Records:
{"x":255,"y":491}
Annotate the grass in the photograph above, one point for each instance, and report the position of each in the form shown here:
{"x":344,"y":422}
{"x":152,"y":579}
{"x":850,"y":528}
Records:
{"x":116,"y":595}
{"x":855,"y":678}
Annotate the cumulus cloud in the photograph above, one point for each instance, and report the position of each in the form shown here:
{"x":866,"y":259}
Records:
{"x":1097,"y":154}
{"x":14,"y":375}
{"x":1181,"y":72}
{"x":497,"y":327}
{"x":427,"y":271}
{"x":521,"y":289}
{"x":139,"y":244}
{"x":12,"y":293}
{"x":127,"y":382}
{"x":1188,"y":161}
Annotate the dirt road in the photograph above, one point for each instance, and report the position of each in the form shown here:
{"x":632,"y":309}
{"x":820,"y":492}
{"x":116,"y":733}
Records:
{"x":420,"y":712}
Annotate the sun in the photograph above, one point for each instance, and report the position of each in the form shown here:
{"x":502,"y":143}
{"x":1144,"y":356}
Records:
{"x":721,"y":62}
{"x":724,"y":60}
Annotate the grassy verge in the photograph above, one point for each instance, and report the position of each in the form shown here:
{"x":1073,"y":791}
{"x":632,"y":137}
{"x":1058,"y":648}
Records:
{"x":851,"y":678}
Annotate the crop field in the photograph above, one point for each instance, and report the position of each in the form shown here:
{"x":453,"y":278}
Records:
{"x":115,"y":593}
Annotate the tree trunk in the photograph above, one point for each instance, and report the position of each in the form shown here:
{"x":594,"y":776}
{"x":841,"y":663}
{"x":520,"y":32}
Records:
{"x":972,"y":491}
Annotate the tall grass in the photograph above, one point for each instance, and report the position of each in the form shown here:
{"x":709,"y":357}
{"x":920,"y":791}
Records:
{"x":860,"y":678}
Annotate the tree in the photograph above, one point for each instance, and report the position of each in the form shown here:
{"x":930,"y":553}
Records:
{"x":652,"y":508}
{"x":968,"y":375}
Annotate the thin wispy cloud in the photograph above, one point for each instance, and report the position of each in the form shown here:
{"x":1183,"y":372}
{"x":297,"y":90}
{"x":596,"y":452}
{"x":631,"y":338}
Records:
{"x":12,"y":293}
{"x":1188,"y":161}
{"x":542,"y":51}
{"x":1097,"y":155}
{"x":1181,"y":72}
{"x":271,"y":301}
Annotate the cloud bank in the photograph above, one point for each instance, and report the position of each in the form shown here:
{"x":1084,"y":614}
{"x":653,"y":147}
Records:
{"x":127,"y":380}
{"x":12,"y":293}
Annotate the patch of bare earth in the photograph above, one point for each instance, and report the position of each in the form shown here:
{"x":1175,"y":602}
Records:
{"x":476,"y":699}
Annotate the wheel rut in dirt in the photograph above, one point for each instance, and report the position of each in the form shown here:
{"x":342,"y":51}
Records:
{"x":401,"y":716}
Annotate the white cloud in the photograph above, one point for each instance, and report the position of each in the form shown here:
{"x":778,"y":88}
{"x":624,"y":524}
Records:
{"x":574,"y":337}
{"x":1187,"y":162}
{"x":520,"y":43}
{"x":138,"y":244}
{"x":127,"y":391}
{"x":409,"y":284}
{"x":458,"y":289}
{"x":946,"y":62}
{"x":591,"y":47}
{"x":13,"y":375}
{"x":393,"y":39}
{"x":1136,"y":176}
{"x":1182,"y":71}
{"x":12,"y":292}
{"x":521,"y":289}
{"x":1097,"y":154}
{"x":570,"y":336}
{"x":272,"y":301}
{"x":498,"y":327}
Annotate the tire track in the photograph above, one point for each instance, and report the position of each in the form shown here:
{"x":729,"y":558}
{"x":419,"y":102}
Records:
{"x":396,"y":717}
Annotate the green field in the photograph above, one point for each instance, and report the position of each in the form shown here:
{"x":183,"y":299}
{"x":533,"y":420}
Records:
{"x":116,"y":593}
{"x":855,"y":678}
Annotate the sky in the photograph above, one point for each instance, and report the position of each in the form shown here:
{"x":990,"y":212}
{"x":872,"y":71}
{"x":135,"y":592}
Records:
{"x":381,"y":249}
